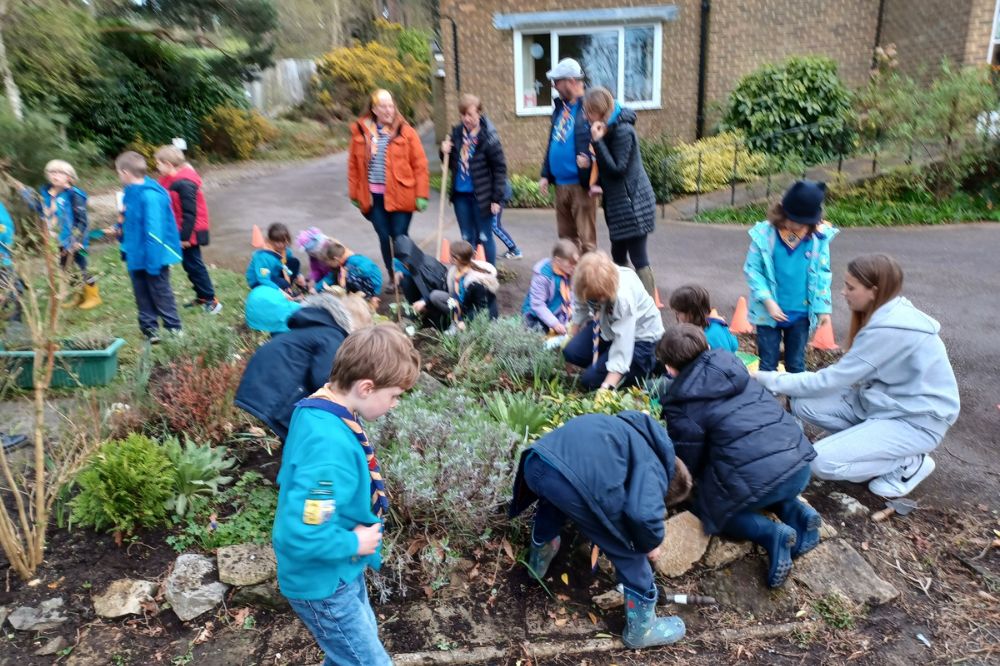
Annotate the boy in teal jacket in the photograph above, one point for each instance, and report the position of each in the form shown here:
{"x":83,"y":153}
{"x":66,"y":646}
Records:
{"x":332,"y":499}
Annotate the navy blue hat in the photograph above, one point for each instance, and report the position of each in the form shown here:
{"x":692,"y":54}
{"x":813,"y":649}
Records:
{"x":803,"y":202}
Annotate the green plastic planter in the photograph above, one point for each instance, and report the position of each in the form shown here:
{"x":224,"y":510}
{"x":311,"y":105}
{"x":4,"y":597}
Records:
{"x":74,"y":368}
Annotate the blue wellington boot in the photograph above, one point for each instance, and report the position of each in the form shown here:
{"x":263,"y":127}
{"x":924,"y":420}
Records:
{"x":540,"y":557}
{"x":642,"y":627}
{"x":779,"y":551}
{"x":806,"y":522}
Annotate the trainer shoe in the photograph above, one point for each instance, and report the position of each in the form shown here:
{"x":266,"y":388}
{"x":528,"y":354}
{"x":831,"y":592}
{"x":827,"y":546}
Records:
{"x":513,"y":254}
{"x":194,"y":303}
{"x":902,"y":480}
{"x":213,"y":308}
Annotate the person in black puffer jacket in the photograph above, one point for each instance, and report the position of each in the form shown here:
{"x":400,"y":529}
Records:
{"x":480,"y":183}
{"x":629,"y":201}
{"x":744,"y":451}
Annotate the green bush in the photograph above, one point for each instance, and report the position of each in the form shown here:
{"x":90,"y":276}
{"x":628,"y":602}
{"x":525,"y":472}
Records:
{"x":199,"y":471}
{"x":235,"y":133}
{"x":125,"y":486}
{"x":716,"y":154}
{"x":801,"y":91}
{"x":527,"y":194}
{"x":243,"y":513}
{"x":523,"y":413}
{"x":663,"y":166}
{"x":26,"y":146}
{"x":565,"y":406}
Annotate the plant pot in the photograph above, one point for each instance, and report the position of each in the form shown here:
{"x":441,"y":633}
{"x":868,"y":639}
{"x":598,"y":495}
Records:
{"x":73,"y":368}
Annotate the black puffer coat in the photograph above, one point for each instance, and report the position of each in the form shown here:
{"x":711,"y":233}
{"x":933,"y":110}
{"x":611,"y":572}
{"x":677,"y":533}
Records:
{"x":735,"y":438}
{"x":629,"y":202}
{"x":488,"y":167}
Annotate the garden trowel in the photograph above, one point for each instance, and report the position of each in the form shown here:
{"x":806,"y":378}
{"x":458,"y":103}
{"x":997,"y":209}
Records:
{"x":900,"y":505}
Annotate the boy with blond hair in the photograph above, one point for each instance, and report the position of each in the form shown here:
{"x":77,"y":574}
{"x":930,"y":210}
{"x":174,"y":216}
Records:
{"x":187,"y":198}
{"x":332,"y":498}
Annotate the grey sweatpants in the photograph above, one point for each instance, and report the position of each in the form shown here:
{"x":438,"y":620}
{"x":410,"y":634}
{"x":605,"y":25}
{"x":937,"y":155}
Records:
{"x":858,"y":450}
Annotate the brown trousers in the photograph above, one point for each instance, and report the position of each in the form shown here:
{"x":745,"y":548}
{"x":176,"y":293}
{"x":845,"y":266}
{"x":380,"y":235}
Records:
{"x":576,"y":216}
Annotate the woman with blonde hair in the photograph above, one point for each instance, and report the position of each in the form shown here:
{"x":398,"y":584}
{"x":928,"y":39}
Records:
{"x":387,"y":177}
{"x":616,"y":324}
{"x":889,"y":401}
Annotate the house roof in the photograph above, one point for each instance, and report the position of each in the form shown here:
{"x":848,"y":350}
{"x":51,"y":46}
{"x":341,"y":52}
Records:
{"x":527,"y":20}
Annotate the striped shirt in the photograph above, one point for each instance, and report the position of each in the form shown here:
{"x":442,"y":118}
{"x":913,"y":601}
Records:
{"x":376,"y":167}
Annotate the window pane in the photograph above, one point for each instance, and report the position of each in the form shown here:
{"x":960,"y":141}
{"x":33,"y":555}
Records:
{"x":536,"y":59}
{"x":639,"y":64}
{"x":597,"y":54}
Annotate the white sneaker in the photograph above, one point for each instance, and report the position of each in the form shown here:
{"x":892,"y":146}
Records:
{"x":901,"y":481}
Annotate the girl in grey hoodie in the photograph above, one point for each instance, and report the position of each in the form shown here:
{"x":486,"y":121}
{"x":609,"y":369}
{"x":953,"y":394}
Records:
{"x":890,"y":399}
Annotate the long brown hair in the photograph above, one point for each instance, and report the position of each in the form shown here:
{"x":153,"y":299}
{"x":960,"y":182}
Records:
{"x":462,"y":253}
{"x":881,"y":273}
{"x":779,"y":220}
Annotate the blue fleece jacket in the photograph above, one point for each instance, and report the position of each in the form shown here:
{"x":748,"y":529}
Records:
{"x":570,"y":136}
{"x":6,"y":237}
{"x":719,"y":336}
{"x":150,"y":237}
{"x":266,"y":268}
{"x":363,"y":275}
{"x":322,"y":462}
{"x":70,"y":213}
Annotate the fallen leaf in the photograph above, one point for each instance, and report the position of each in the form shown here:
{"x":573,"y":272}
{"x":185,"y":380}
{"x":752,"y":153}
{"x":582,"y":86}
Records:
{"x":593,"y":618}
{"x":429,"y":591}
{"x":240,"y":615}
{"x":565,"y":579}
{"x":508,"y":550}
{"x":562,"y":597}
{"x":561,"y":622}
{"x":204,"y":635}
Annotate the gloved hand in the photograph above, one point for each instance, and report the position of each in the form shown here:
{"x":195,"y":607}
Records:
{"x":421,"y":204}
{"x":354,"y":202}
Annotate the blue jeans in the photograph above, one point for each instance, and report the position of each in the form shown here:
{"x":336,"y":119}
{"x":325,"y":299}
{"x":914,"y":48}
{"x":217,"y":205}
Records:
{"x":154,"y":298}
{"x":502,"y":233}
{"x":769,"y":345}
{"x":476,"y":229}
{"x":751,"y":524}
{"x":388,"y":225}
{"x":197,"y":273}
{"x":344,"y":626}
{"x":580,"y":352}
{"x":558,"y":500}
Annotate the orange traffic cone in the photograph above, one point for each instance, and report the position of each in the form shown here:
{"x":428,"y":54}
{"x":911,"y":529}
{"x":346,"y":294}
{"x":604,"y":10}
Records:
{"x":824,"y":338}
{"x":741,"y":322}
{"x":257,"y":238}
{"x":445,"y":255}
{"x":480,"y":253}
{"x":656,"y":298}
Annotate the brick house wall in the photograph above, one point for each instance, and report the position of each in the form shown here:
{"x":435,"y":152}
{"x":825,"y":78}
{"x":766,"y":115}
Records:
{"x":925,"y":31}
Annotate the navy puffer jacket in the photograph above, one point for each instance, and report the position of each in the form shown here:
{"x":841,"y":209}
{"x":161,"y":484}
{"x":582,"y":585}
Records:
{"x":621,"y":464}
{"x":735,"y":438}
{"x":629,"y":201}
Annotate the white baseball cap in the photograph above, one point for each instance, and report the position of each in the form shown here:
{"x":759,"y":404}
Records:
{"x":567,"y":68}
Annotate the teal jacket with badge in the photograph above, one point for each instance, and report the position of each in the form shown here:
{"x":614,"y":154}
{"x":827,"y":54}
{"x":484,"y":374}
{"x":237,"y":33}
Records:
{"x":759,"y":271}
{"x":313,"y":539}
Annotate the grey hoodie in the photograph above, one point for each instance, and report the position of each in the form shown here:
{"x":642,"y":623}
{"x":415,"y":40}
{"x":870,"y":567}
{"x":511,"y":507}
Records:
{"x":897,"y":365}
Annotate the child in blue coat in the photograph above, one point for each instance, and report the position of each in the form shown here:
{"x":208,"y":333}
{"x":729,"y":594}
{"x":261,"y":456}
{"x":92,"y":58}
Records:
{"x":745,"y":452}
{"x":788,"y":272}
{"x":548,"y":305}
{"x":691,"y":305}
{"x":356,"y":273}
{"x":10,"y":286}
{"x":275,"y":264}
{"x":331,"y":494}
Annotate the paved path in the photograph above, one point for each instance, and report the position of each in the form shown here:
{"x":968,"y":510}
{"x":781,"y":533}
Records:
{"x":951,"y":272}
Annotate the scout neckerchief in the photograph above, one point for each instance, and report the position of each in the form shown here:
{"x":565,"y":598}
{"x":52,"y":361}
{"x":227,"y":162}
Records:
{"x":566,"y":307}
{"x":323,"y":399}
{"x":564,"y":124}
{"x":469,"y":142}
{"x":458,"y":293}
{"x":595,"y":315}
{"x":791,"y":240}
{"x":375,"y":131}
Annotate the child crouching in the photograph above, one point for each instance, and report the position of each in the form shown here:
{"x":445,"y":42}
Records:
{"x":472,"y":287}
{"x":745,"y":452}
{"x":548,"y":305}
{"x":691,"y":305}
{"x":356,"y":273}
{"x":331,"y":497}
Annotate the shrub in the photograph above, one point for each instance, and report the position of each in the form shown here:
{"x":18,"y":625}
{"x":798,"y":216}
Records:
{"x":350,"y":73}
{"x":199,"y":471}
{"x":125,"y":486}
{"x":662,"y":162}
{"x":495,"y":353}
{"x":526,"y":193}
{"x":716,"y":162}
{"x":204,"y":339}
{"x":235,"y":133}
{"x":521,"y":412}
{"x":26,"y":146}
{"x":243,"y":513}
{"x":565,"y":406}
{"x":801,"y":91}
{"x":197,"y":399}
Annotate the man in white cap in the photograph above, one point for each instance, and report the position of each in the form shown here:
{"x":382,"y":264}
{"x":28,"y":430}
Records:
{"x":567,"y":159}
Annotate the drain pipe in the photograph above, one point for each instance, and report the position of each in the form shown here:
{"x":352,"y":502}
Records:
{"x":454,"y":47}
{"x":878,"y":30}
{"x":706,"y":8}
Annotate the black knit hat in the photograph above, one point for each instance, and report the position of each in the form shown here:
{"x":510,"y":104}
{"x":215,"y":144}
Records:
{"x":803,"y":202}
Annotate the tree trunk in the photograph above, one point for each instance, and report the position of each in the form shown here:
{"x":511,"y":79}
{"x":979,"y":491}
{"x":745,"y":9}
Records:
{"x":10,"y":86}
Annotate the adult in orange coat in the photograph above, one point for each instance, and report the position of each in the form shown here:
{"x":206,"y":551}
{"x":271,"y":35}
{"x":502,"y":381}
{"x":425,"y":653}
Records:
{"x":387,"y":177}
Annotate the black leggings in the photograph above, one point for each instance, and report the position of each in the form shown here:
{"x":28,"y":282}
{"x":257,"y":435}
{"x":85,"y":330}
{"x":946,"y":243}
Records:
{"x":630,"y":248}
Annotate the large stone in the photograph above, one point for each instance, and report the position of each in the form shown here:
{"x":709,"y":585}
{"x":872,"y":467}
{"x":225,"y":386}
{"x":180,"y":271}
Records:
{"x":265,"y":595}
{"x":849,"y":505}
{"x":683,"y":545}
{"x":610,"y":599}
{"x":834,"y":566}
{"x":52,"y":646}
{"x":742,"y":586}
{"x":428,"y":384}
{"x":48,"y":615}
{"x":246,"y":564}
{"x":190,"y":588}
{"x":124,"y":597}
{"x":723,"y":551}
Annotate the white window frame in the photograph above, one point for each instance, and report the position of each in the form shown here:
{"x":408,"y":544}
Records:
{"x":555,"y":33}
{"x":994,"y":34}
